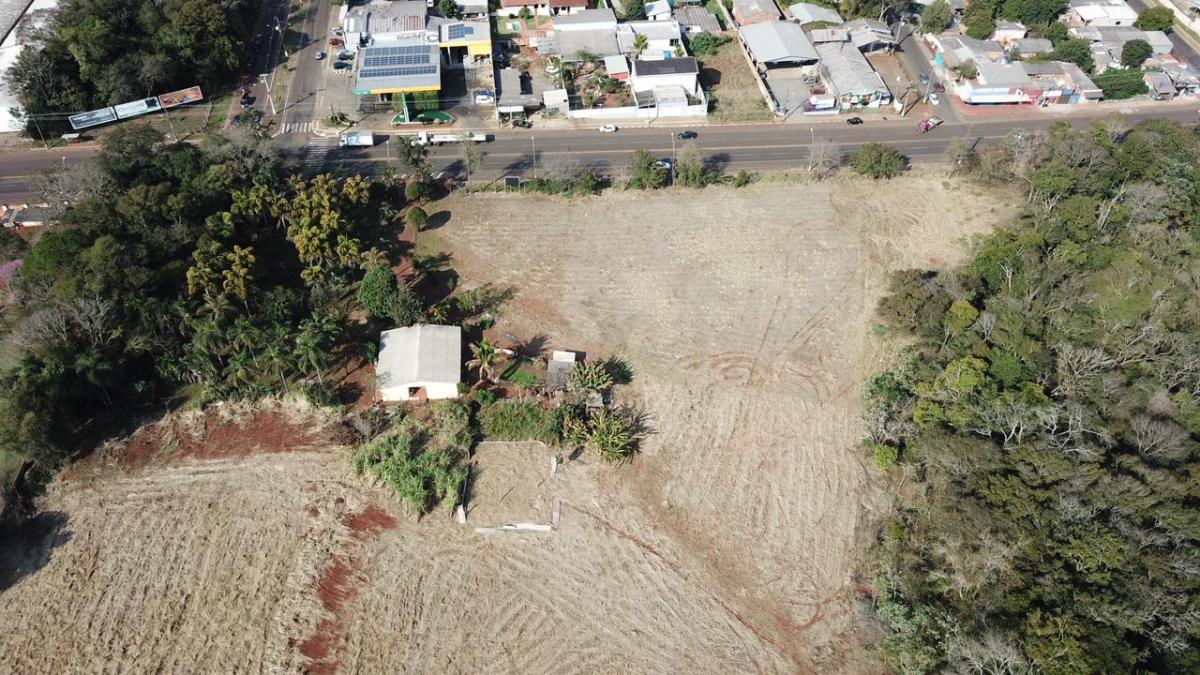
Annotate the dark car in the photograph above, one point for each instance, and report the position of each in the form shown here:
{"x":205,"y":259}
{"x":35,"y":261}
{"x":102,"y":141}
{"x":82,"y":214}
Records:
{"x":687,"y":135}
{"x":246,"y":101}
{"x":524,"y":124}
{"x":854,"y":121}
{"x":343,"y":65}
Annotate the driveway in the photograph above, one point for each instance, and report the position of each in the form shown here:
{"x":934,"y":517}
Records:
{"x":788,"y":87}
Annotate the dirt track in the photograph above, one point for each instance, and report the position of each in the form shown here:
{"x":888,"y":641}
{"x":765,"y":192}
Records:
{"x":729,"y":546}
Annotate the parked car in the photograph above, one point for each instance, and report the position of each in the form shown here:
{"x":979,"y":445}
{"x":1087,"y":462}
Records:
{"x":483,"y":97}
{"x":608,"y":129}
{"x":939,"y":87}
{"x":664,"y":164}
{"x":345,"y":55}
{"x":336,"y":42}
{"x":523,"y":124}
{"x":343,"y":65}
{"x":320,"y":56}
{"x":687,"y":135}
{"x":924,"y":79}
{"x":933,"y":98}
{"x":246,"y":101}
{"x":854,"y":121}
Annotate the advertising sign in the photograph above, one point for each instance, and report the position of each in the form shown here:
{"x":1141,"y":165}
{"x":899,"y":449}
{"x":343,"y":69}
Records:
{"x":92,"y":118}
{"x":135,"y":108}
{"x":175,"y":98}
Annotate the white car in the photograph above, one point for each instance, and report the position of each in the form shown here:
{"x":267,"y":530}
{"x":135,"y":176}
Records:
{"x":483,"y":98}
{"x":933,"y":98}
{"x":608,"y":129}
{"x":663,"y":164}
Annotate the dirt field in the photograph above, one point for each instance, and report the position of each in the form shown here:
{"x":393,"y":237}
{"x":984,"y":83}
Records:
{"x":728,"y":546}
{"x":727,"y":77}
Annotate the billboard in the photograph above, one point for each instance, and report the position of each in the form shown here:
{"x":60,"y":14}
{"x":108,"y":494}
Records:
{"x":92,"y":118}
{"x":189,"y":95}
{"x":135,"y":108}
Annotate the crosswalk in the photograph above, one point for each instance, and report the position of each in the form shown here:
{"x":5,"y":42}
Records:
{"x":316,"y":152}
{"x":298,"y":127}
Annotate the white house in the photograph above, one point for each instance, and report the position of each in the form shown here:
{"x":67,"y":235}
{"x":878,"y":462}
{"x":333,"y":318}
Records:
{"x":806,"y":12}
{"x":418,"y":363}
{"x":1101,"y":13}
{"x":666,"y":73}
{"x":1008,"y":32}
{"x":588,"y":19}
{"x":658,"y":10}
{"x":662,"y":37}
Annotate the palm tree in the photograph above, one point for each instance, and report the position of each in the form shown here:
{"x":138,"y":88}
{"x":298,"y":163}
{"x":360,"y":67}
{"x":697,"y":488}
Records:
{"x":240,"y":371}
{"x":310,"y":353}
{"x":246,"y":336}
{"x":276,"y":356}
{"x":485,"y":358}
{"x":640,"y":42}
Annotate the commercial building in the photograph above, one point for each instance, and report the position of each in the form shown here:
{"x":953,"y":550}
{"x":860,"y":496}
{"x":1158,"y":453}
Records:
{"x":849,"y":77}
{"x":1100,"y":13}
{"x":775,"y":44}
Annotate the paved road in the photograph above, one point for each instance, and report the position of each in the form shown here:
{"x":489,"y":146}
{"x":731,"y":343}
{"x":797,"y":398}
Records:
{"x":304,"y":100}
{"x":729,"y":148}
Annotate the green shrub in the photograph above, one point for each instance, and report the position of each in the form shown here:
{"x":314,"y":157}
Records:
{"x":420,"y":476}
{"x":877,"y":161}
{"x":885,"y":456}
{"x":416,"y":218}
{"x":520,"y":419}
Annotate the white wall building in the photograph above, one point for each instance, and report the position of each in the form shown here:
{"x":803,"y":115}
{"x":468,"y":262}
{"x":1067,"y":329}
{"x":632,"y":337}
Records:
{"x":1101,"y":13}
{"x":422,"y":362}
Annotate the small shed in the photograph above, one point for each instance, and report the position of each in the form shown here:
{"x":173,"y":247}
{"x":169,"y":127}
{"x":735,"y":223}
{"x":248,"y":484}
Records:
{"x":418,"y":363}
{"x":658,"y":10}
{"x":617,"y":66}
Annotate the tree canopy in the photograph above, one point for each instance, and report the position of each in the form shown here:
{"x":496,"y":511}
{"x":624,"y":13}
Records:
{"x":97,"y":53}
{"x":1046,"y":421}
{"x":1155,"y":18}
{"x":877,"y":161}
{"x":1134,"y":53}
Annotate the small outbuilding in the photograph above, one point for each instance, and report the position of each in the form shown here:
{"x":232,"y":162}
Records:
{"x":419,"y":363}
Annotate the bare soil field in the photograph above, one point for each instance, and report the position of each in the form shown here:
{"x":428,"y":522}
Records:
{"x":727,"y":78}
{"x":728,"y":546}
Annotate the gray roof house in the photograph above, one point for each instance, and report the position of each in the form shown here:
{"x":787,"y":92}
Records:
{"x":870,"y":35}
{"x":778,"y":43}
{"x":697,"y":19}
{"x":1031,"y":46}
{"x":419,"y":362}
{"x":849,"y":76}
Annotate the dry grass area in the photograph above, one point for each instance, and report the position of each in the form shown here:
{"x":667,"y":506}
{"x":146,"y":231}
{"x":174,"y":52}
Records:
{"x":727,"y":78}
{"x":728,"y":546}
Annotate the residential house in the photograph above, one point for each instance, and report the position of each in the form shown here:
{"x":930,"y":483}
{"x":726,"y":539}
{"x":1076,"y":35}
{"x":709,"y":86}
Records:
{"x":1008,"y":32}
{"x":473,"y":9}
{"x":955,"y":50}
{"x":849,"y":77}
{"x":1115,"y":37}
{"x":748,"y":12}
{"x":1185,"y":79}
{"x":806,"y":13}
{"x":587,"y":19}
{"x":822,"y":35}
{"x":1161,"y":87}
{"x":663,"y":38}
{"x":775,"y":44}
{"x":541,"y":7}
{"x":657,"y":10}
{"x":580,"y":45}
{"x":515,"y":94}
{"x":1026,"y":47}
{"x":696,"y":20}
{"x":1062,"y":83}
{"x":683,"y":73}
{"x":1100,"y":13}
{"x":419,"y":363}
{"x":998,"y":83}
{"x":870,"y":35}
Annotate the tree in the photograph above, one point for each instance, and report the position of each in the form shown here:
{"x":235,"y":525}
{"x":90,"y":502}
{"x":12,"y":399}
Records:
{"x":590,"y":376}
{"x":1156,"y":18}
{"x":472,"y":158}
{"x":485,"y":358}
{"x":968,"y":69}
{"x":690,"y":170}
{"x":1120,"y":84}
{"x":823,"y":158}
{"x":647,"y":174}
{"x":635,"y":10}
{"x":936,"y":16}
{"x":415,"y":190}
{"x":449,"y":9}
{"x":415,"y":217}
{"x":11,"y":246}
{"x":383,"y":296}
{"x":877,"y":161}
{"x":980,"y":24}
{"x":640,"y":42}
{"x":1040,"y":12}
{"x":1135,"y":52}
{"x":1056,"y":33}
{"x":413,"y":156}
{"x":1077,"y":51}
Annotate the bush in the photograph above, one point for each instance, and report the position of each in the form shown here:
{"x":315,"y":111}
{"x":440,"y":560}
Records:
{"x":969,"y":69}
{"x":647,"y":175}
{"x":590,"y":376}
{"x":11,"y":246}
{"x":415,"y":190}
{"x":885,"y":456}
{"x":707,"y":44}
{"x":383,"y":296}
{"x":518,"y":420}
{"x":877,"y":161}
{"x":415,"y":217}
{"x":742,"y":179}
{"x":421,"y":476}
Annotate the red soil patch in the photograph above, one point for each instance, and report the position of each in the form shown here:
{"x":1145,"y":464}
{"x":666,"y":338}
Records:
{"x":339,"y":586}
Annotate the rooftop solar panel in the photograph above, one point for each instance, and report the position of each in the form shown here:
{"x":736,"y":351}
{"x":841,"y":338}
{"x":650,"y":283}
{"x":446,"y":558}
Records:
{"x":397,"y":72}
{"x":401,"y":60}
{"x":459,"y":31}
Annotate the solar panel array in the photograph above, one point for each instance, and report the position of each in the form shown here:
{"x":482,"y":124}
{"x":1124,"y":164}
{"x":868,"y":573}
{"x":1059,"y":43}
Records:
{"x":397,"y":72}
{"x":409,"y":55}
{"x":459,"y":31}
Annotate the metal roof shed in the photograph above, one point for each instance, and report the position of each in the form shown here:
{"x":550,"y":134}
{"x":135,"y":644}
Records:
{"x":421,"y":362}
{"x":778,"y":43}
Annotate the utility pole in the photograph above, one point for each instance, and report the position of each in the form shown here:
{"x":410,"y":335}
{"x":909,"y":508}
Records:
{"x":672,"y":159}
{"x":39,"y":130}
{"x":533,"y":142}
{"x":174,"y":135}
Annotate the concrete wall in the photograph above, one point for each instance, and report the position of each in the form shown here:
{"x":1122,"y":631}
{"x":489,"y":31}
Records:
{"x":433,"y":391}
{"x":632,"y":113}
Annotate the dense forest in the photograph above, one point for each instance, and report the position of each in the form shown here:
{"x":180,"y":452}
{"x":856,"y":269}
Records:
{"x":1042,"y":432}
{"x":186,"y":273}
{"x":96,"y":53}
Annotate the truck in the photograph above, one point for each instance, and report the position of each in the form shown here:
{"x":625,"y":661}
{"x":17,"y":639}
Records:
{"x":426,"y":138}
{"x":357,"y":139}
{"x":928,"y":123}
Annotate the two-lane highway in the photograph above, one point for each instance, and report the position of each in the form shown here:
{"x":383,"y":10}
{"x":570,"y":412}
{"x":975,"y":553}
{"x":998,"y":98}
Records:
{"x":728,"y":148}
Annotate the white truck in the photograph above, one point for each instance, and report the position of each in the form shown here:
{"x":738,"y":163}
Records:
{"x":357,"y":139}
{"x":426,"y":138}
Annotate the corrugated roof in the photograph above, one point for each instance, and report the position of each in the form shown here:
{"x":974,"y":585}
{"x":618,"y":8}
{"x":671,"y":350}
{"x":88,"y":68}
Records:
{"x":584,"y":17}
{"x":419,"y":354}
{"x":806,"y":12}
{"x":680,"y":66}
{"x":699,"y":17}
{"x":778,"y":42}
{"x":847,"y":71}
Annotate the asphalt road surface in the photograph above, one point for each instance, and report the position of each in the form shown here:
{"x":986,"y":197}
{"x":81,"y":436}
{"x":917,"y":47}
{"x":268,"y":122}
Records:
{"x":304,"y":100}
{"x":728,"y":148}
